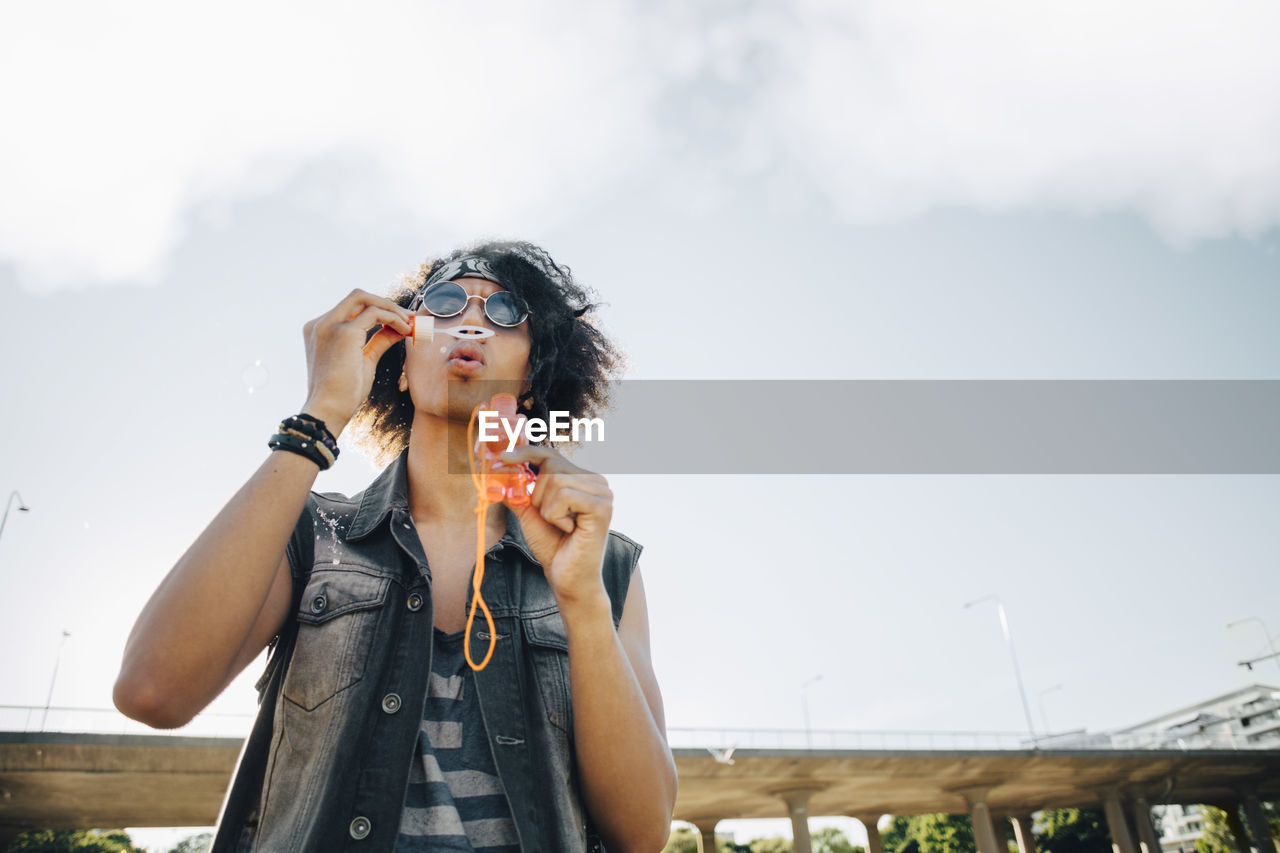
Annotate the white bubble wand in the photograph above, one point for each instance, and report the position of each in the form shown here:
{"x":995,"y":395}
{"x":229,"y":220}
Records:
{"x":422,"y":327}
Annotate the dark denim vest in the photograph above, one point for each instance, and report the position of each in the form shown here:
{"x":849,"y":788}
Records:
{"x":327,"y":763}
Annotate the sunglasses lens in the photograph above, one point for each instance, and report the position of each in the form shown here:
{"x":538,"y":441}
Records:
{"x":445,"y":299}
{"x":449,"y":299}
{"x":505,"y":309}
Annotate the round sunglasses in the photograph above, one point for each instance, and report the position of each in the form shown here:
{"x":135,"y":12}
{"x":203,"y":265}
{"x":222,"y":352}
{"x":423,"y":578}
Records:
{"x":449,"y":299}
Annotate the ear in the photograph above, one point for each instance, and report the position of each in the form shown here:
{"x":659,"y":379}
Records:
{"x":403,"y":384}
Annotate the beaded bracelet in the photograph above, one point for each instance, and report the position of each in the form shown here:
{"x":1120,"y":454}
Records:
{"x":307,"y":436}
{"x":309,"y":426}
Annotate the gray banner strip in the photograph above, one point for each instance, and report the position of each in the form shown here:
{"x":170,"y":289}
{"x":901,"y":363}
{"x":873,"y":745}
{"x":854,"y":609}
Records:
{"x":939,"y":427}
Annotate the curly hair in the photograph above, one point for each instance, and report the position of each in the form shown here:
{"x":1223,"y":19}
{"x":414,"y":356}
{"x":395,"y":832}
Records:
{"x":570,"y":359}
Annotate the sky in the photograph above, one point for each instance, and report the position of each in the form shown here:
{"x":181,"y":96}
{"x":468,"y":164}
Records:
{"x":756,"y":190}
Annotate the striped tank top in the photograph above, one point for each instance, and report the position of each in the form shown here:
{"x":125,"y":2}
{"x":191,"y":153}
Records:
{"x":455,"y":800}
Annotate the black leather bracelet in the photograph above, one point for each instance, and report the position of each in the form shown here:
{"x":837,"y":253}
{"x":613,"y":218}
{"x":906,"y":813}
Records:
{"x":310,"y":449}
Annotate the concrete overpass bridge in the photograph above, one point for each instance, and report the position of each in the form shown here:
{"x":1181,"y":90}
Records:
{"x":77,"y":780}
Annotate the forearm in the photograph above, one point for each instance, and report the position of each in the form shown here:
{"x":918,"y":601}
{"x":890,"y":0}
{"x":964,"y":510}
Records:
{"x":627,"y":773}
{"x":220,"y":604}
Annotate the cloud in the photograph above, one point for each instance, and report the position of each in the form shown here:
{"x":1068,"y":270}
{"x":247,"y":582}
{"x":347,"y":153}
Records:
{"x":120,"y":118}
{"x":1169,"y":109}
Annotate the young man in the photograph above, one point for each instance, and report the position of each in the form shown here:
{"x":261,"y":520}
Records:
{"x":373,"y":731}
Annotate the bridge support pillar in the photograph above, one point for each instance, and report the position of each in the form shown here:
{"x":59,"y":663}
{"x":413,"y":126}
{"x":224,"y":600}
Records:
{"x":1022,"y":833}
{"x":1148,"y":837}
{"x":1000,"y":827}
{"x":1239,"y":834}
{"x":706,"y":827}
{"x":797,"y":801}
{"x":871,"y":823}
{"x":1257,"y":819}
{"x":1117,"y":825}
{"x":984,"y":831}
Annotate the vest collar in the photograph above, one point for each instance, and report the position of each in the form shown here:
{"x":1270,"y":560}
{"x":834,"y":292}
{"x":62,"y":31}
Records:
{"x":390,"y":491}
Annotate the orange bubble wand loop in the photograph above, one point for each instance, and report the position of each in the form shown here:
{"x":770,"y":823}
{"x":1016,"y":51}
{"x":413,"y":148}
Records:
{"x":496,"y":481}
{"x":479,"y":476}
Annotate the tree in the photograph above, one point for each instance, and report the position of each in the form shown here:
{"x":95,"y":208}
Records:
{"x":682,"y":840}
{"x":1216,"y":826}
{"x":74,"y":841}
{"x":1216,"y":832}
{"x":685,"y":840}
{"x":1073,"y":831}
{"x":196,"y":844}
{"x":894,"y":837}
{"x":929,"y":833}
{"x":832,"y":840}
{"x":774,"y":844}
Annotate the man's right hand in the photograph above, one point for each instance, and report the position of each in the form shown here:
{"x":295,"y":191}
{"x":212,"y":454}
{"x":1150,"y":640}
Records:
{"x":340,"y":365}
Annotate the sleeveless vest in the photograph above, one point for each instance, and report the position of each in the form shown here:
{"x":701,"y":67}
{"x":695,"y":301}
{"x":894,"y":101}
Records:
{"x":327,"y":762}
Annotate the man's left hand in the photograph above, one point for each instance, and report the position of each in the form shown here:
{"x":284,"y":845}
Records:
{"x":566,"y":523}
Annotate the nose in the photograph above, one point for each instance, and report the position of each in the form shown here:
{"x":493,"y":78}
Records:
{"x":473,"y":314}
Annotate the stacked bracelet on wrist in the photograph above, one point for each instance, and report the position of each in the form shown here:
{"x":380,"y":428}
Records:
{"x":306,"y":436}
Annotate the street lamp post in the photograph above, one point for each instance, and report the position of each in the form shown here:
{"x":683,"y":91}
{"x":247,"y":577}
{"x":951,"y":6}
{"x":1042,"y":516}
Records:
{"x":1017,"y":673}
{"x":1044,"y":718}
{"x":54,"y":679}
{"x":22,"y":507}
{"x":804,"y":706}
{"x":1271,"y":643}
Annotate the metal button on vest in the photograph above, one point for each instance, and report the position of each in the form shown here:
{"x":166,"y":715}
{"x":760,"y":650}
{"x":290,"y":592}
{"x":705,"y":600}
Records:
{"x":391,"y":703}
{"x":415,"y":602}
{"x":319,"y":603}
{"x":360,"y":828}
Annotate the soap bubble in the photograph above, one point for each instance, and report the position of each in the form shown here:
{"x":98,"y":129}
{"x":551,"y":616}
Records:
{"x":255,"y":376}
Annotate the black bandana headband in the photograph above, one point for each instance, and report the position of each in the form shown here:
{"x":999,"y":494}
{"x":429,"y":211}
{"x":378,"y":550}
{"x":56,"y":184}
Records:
{"x":471,"y":266}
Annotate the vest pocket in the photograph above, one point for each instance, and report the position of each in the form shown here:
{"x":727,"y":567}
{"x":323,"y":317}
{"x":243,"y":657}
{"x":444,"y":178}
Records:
{"x":549,"y":648}
{"x":337,"y":617}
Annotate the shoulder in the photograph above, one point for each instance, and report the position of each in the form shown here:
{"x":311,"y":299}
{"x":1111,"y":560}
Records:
{"x":333,"y":502}
{"x":329,"y":511}
{"x":621,"y":554}
{"x":321,"y":530}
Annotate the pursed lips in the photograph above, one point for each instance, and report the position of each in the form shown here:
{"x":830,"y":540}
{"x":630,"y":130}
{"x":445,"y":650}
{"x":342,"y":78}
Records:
{"x":467,"y":352}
